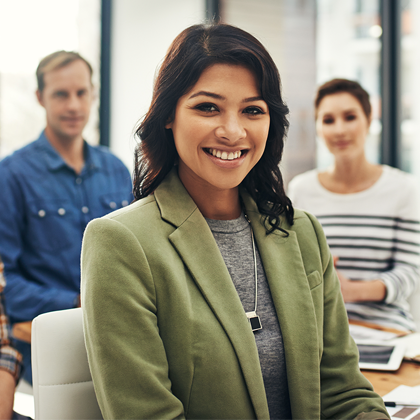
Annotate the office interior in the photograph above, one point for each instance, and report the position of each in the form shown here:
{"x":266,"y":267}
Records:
{"x":372,"y":41}
{"x":375,"y":42}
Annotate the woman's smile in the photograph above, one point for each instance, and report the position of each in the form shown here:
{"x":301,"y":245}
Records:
{"x":226,"y":159}
{"x":224,"y":155}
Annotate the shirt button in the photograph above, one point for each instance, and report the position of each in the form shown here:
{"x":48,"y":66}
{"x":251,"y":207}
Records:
{"x":61,"y":211}
{"x":78,"y":180}
{"x":85,"y":209}
{"x":113,"y":204}
{"x":41,"y":213}
{"x":124,"y":203}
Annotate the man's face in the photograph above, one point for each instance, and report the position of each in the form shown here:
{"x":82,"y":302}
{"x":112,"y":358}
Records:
{"x":67,"y":99}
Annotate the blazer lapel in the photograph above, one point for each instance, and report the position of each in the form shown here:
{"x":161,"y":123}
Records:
{"x":206,"y":265}
{"x":283,"y":266}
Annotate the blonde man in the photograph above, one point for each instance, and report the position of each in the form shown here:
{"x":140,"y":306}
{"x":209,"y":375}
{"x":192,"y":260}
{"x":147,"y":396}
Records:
{"x":51,"y":189}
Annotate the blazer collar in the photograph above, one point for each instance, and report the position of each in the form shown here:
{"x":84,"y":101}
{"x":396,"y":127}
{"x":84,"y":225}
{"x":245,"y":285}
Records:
{"x":286,"y":276}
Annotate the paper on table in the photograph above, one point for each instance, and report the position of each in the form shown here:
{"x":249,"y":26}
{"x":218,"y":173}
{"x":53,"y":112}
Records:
{"x":359,"y":332}
{"x":406,"y":395}
{"x":403,"y":413}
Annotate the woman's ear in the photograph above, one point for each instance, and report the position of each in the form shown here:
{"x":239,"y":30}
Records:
{"x":170,"y":121}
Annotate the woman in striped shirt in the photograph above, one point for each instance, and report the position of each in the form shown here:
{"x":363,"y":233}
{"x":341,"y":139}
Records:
{"x":369,"y":212}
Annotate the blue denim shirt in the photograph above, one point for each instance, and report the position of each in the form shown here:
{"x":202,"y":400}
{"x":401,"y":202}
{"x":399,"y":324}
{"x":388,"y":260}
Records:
{"x":44,"y":209}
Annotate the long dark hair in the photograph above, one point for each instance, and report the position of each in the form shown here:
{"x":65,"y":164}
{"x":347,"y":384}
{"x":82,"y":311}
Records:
{"x":193,"y":50}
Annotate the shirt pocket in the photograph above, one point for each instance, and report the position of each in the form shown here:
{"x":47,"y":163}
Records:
{"x":113,"y":201}
{"x":51,"y":224}
{"x":314,"y":279}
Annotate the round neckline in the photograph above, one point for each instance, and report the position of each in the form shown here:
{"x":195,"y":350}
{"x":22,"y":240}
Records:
{"x":379,"y":181}
{"x":228,"y":226}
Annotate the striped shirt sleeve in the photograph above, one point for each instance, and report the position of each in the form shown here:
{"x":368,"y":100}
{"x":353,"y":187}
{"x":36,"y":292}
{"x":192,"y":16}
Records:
{"x":404,"y":277}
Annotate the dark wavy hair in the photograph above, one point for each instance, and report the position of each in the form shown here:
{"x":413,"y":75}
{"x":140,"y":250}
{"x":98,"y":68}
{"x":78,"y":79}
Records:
{"x":344,"y":85}
{"x":194,"y":50}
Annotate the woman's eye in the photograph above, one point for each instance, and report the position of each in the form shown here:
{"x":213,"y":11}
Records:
{"x":253,"y":110}
{"x":207,"y":107}
{"x":350,"y":117}
{"x":328,"y":121}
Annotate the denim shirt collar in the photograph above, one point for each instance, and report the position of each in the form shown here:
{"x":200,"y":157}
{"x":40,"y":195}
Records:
{"x":54,"y":160}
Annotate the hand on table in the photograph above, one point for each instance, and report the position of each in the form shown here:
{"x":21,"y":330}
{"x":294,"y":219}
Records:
{"x":359,"y":290}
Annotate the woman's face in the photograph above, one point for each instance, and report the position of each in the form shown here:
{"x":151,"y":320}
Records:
{"x":343,"y":125}
{"x":220,"y":128}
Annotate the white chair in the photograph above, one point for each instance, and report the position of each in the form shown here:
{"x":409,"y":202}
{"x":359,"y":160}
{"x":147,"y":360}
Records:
{"x":62,"y":383}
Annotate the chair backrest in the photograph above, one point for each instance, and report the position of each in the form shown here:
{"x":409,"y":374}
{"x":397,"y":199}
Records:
{"x":62,"y":383}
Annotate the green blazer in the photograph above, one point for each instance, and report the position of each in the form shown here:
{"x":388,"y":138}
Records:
{"x":166,"y":333}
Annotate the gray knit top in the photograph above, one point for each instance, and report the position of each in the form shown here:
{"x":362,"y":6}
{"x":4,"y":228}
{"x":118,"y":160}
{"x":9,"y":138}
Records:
{"x":233,"y":238}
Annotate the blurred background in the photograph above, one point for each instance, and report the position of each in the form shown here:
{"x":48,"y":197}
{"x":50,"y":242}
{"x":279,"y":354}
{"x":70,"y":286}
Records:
{"x":372,"y":41}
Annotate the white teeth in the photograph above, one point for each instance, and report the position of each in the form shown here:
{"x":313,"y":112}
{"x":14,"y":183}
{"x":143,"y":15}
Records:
{"x":225,"y":155}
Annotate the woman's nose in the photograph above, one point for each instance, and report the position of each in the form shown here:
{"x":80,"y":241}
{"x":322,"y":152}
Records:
{"x":231,"y":128}
{"x":339,"y":127}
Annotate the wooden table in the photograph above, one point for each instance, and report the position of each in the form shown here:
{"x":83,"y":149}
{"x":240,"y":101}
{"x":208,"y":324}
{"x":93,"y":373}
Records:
{"x":384,"y":382}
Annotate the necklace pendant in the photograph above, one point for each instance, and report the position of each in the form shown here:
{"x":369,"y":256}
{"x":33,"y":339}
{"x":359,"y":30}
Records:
{"x":254,"y":321}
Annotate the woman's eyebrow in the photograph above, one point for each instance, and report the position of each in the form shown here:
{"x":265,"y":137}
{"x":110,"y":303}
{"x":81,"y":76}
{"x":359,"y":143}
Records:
{"x":253,"y":98}
{"x":205,"y":93}
{"x":220,"y":97}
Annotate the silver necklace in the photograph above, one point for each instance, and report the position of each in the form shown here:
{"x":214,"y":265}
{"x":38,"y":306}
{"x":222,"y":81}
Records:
{"x":253,"y":318}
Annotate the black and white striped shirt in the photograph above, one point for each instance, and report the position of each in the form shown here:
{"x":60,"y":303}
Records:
{"x":376,"y":235}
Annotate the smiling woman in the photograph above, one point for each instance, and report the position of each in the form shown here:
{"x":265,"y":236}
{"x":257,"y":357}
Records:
{"x":370,"y":213}
{"x":219,"y":142}
{"x":189,"y":58}
{"x":209,"y":297}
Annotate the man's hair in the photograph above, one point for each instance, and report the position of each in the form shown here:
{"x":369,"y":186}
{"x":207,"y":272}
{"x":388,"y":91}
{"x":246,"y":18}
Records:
{"x":56,"y":61}
{"x":194,"y":50}
{"x":344,"y":85}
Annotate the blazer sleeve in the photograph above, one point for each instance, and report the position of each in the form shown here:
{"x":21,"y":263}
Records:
{"x":126,"y":354}
{"x":345,"y":392}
